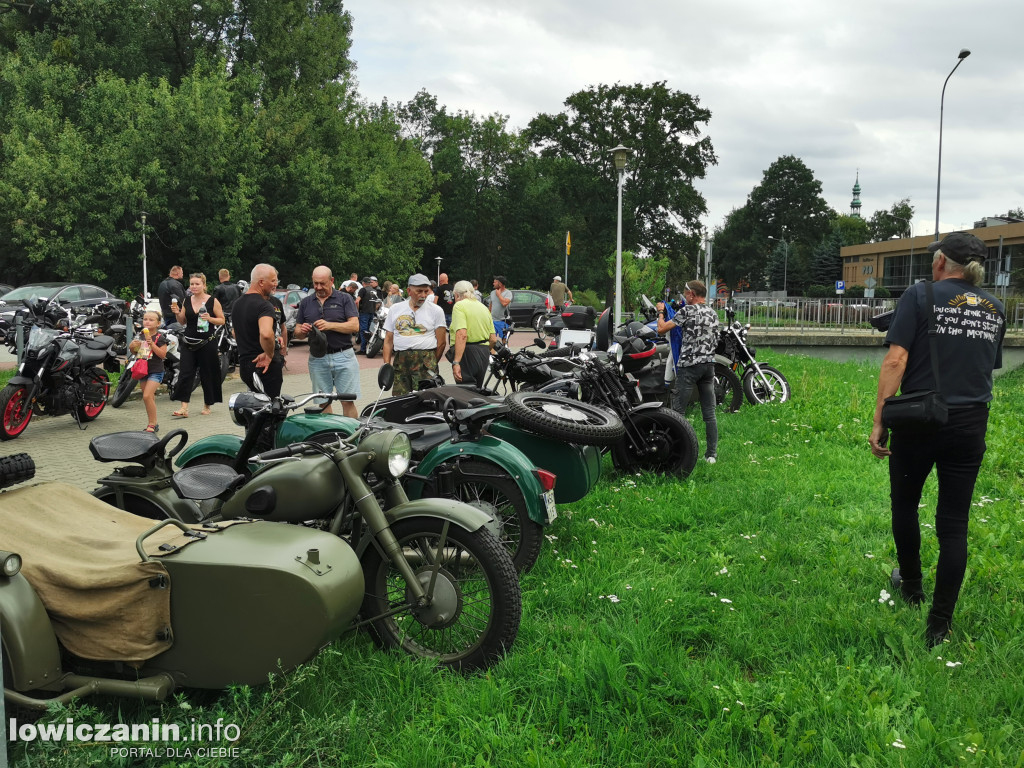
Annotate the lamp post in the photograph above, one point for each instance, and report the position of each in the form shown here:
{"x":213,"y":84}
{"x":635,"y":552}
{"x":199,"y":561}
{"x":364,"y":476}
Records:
{"x":785,"y":263}
{"x":438,"y":258}
{"x":964,"y":53}
{"x":145,"y":282}
{"x":619,"y":154}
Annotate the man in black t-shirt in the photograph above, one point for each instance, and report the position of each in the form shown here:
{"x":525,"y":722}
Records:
{"x":969,"y":325}
{"x":226,"y":292}
{"x":253,"y":318}
{"x":367,"y":300}
{"x":171,"y":288}
{"x":444,"y":297}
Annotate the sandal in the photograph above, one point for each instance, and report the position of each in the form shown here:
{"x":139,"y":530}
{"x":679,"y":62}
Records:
{"x":204,"y":412}
{"x":180,"y":414}
{"x":151,"y":428}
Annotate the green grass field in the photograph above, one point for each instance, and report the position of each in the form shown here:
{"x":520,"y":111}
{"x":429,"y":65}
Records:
{"x":734,"y":619}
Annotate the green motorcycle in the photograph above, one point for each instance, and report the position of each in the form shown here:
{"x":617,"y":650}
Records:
{"x":464,"y":447}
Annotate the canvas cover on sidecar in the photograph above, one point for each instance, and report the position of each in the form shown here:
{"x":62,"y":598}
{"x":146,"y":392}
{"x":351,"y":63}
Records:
{"x":79,"y":556}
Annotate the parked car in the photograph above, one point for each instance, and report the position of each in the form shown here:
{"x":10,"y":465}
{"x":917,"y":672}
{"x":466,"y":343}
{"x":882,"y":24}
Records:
{"x":81,"y":296}
{"x":291,"y":297}
{"x":526,"y":307}
{"x":5,"y":288}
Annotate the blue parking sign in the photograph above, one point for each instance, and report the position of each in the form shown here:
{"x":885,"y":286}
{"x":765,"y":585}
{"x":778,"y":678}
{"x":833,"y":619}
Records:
{"x":840,"y":286}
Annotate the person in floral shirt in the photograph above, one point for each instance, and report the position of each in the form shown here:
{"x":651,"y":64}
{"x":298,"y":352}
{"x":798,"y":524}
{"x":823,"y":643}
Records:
{"x":697,"y":324}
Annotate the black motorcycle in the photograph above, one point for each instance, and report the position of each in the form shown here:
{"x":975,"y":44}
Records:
{"x":61,"y":370}
{"x":762,"y":383}
{"x":657,"y":439}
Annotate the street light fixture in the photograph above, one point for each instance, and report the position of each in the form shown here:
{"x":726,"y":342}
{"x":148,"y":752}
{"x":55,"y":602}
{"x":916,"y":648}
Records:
{"x":964,"y":53}
{"x":145,"y":281}
{"x":438,"y":259}
{"x":619,"y":155}
{"x":785,"y":263}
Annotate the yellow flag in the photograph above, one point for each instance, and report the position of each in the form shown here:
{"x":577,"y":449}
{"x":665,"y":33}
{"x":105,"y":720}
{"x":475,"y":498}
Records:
{"x":568,"y":243}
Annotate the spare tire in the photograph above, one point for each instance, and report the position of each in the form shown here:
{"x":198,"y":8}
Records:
{"x":564,"y":419}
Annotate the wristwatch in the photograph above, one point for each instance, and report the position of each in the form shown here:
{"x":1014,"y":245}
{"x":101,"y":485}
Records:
{"x":457,"y":363}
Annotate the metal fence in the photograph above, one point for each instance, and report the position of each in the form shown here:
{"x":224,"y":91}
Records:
{"x":801,"y":315}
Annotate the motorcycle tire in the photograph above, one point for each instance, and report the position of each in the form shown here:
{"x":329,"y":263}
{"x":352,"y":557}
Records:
{"x":123,"y":390}
{"x":375,"y":346}
{"x":136,"y":505}
{"x":15,"y":411}
{"x":673,"y":439}
{"x":564,"y":419}
{"x":16,"y":468}
{"x":491,"y":489}
{"x":776,"y":391}
{"x":728,"y":388}
{"x":225,"y":365}
{"x":98,"y":380}
{"x":538,"y":324}
{"x":477,"y":604}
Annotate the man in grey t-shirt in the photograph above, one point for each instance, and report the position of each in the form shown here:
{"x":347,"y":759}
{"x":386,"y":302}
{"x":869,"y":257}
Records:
{"x":501,"y":297}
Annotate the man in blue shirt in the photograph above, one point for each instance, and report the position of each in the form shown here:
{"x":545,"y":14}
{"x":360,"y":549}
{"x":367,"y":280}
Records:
{"x":334,"y":313}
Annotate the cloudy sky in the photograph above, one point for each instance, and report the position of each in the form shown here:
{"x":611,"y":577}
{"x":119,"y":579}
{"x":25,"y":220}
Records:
{"x":844,"y":86}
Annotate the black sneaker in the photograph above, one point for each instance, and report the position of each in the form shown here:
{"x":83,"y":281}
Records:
{"x":909,"y":589}
{"x":936,"y":630}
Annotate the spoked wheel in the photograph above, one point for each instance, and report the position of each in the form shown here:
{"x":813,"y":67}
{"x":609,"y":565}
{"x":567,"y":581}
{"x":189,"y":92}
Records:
{"x":492,"y":490}
{"x":473,"y":615}
{"x":15,"y":411}
{"x":95,"y":395}
{"x":375,"y":346}
{"x":564,"y":419}
{"x":538,"y":324}
{"x":671,"y":440}
{"x":772,"y":387}
{"x":123,"y":390}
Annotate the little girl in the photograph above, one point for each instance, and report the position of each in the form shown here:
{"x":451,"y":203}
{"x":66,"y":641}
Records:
{"x":152,"y":347}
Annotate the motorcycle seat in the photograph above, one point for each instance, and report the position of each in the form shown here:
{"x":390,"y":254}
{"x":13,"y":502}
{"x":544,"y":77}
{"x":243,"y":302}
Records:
{"x":124,"y":446}
{"x":429,"y":437}
{"x":205,"y":481}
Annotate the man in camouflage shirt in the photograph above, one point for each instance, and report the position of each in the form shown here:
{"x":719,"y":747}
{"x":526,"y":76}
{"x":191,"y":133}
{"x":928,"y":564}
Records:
{"x":698,"y":324}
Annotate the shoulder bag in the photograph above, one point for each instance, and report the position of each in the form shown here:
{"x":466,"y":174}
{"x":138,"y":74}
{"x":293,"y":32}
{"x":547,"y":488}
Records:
{"x":926,"y":408}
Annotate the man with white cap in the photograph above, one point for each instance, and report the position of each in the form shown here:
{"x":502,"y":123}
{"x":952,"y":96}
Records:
{"x":415,"y":337}
{"x":559,"y":292}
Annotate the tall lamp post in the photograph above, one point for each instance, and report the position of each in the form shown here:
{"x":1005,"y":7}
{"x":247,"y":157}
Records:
{"x":438,"y":258}
{"x":964,"y":53}
{"x":145,"y":282}
{"x":619,"y":154}
{"x":785,"y":263}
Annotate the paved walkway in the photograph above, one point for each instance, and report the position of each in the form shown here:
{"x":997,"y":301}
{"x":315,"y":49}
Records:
{"x":61,"y":450}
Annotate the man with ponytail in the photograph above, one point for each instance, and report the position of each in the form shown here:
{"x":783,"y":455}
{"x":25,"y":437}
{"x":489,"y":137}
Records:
{"x":969,"y":328}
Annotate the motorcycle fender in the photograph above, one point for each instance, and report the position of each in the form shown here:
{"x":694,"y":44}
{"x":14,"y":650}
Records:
{"x":29,"y":646}
{"x":303,"y":426}
{"x":463,"y":515}
{"x":21,"y":381}
{"x":493,"y":451}
{"x":214,"y":445}
{"x":643,"y":407}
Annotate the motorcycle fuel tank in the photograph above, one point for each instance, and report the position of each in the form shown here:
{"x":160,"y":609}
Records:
{"x":289,"y":491}
{"x":254,"y":600}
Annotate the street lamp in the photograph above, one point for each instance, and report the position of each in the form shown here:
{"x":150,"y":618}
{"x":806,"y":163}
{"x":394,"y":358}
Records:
{"x":964,"y":53}
{"x":438,"y":258}
{"x":145,"y":282}
{"x":785,"y":263}
{"x":619,"y":154}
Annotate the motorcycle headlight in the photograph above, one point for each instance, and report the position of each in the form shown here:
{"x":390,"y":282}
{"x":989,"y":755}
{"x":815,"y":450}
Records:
{"x":10,"y":563}
{"x":243,"y":404}
{"x":392,"y":452}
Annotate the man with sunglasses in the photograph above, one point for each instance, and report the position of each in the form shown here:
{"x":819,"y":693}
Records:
{"x":334,"y":313}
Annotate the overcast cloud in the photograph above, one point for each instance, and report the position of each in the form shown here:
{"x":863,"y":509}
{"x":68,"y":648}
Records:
{"x":843,"y":86}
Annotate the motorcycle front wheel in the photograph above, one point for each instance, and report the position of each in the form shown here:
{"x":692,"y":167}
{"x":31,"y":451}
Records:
{"x":491,"y":489}
{"x":123,"y":390}
{"x":564,"y":419}
{"x":473,"y":616}
{"x":672,"y":441}
{"x":95,"y":394}
{"x":728,"y":388}
{"x":15,"y":411}
{"x":775,"y":390}
{"x":375,"y":345}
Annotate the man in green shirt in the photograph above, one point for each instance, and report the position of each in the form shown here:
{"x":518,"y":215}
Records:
{"x":473,"y":331}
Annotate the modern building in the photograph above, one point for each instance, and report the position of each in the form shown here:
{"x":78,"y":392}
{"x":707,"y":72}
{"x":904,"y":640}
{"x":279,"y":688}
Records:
{"x":898,"y":264}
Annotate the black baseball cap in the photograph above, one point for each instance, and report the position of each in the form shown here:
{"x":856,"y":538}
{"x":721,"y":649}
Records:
{"x":961,"y":247}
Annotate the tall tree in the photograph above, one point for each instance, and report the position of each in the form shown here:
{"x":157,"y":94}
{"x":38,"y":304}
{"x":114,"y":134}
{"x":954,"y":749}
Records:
{"x":664,"y":130}
{"x":893,"y":222}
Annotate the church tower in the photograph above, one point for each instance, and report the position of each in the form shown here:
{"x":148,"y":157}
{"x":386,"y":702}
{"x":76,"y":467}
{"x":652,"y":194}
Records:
{"x":855,"y":203}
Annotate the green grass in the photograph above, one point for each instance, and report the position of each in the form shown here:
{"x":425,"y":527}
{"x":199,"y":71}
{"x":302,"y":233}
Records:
{"x":746,"y":627}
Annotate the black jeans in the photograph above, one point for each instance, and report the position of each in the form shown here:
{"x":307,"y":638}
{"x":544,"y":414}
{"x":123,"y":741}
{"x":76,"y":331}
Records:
{"x":956,"y":451}
{"x":703,"y":376}
{"x":272,"y":380}
{"x":204,"y":362}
